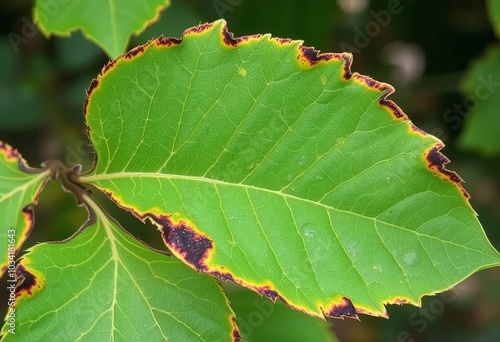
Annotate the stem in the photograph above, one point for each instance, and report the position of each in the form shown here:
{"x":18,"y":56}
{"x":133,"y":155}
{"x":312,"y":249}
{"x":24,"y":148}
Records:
{"x":68,"y":178}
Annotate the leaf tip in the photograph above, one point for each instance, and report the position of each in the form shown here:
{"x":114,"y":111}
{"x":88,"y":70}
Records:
{"x":158,"y":12}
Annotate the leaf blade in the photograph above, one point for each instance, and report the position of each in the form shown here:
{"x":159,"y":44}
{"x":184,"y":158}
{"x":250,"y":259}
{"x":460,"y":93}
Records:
{"x":108,"y":286}
{"x":480,"y":85}
{"x":494,"y":14}
{"x":97,"y":19}
{"x":19,"y":189}
{"x":254,"y":155}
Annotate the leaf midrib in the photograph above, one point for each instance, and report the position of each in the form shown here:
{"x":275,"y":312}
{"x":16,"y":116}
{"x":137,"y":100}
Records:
{"x":130,"y":175}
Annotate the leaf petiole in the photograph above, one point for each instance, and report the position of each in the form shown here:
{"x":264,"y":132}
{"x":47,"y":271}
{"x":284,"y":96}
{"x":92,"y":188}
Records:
{"x":68,"y":178}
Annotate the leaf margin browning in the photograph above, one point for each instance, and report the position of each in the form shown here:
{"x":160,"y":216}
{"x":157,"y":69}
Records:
{"x":10,"y":155}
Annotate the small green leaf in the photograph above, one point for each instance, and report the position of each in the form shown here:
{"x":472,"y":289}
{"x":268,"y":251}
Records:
{"x":481,"y":86}
{"x":267,"y":164}
{"x":494,"y":12}
{"x":108,"y":23}
{"x":261,"y":320}
{"x":104,"y":285}
{"x":19,"y":189}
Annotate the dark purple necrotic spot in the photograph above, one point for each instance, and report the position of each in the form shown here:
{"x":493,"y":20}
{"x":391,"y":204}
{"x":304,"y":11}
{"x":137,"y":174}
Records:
{"x":198,"y":29}
{"x":10,"y":153}
{"x":168,"y":41}
{"x":436,"y":158}
{"x":283,"y":41}
{"x":193,"y":246}
{"x":135,"y":51}
{"x":436,"y":161}
{"x":236,"y":333}
{"x":26,"y":281}
{"x":343,"y":309}
{"x":228,"y":37}
{"x":271,"y":294}
{"x":223,"y":276}
{"x":313,"y":56}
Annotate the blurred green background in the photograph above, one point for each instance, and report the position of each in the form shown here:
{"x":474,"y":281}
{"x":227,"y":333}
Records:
{"x":423,"y":48}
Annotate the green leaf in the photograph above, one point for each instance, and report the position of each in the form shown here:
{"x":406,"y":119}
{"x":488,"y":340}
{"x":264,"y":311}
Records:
{"x":104,"y":285}
{"x":107,"y":23}
{"x":19,"y":189}
{"x":267,"y":164}
{"x":261,"y":320}
{"x":480,"y":85}
{"x":494,"y":12}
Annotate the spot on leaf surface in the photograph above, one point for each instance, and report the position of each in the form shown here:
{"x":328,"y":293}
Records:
{"x":236,"y":332}
{"x":436,"y":162}
{"x":183,"y":238}
{"x":27,"y":282}
{"x":342,"y":309}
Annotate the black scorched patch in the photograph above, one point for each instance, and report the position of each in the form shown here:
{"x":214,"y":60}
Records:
{"x":185,"y":240}
{"x":26,"y":281}
{"x":342,"y":309}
